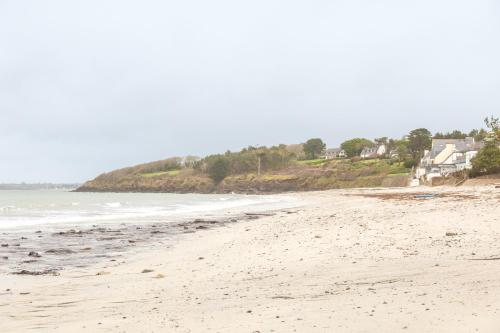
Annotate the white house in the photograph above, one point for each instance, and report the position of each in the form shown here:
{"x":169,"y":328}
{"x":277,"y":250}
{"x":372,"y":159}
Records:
{"x":373,"y":152}
{"x":447,"y":156}
{"x":335,"y":153}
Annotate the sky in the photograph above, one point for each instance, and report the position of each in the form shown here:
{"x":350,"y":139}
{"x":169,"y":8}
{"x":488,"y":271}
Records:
{"x":90,"y":86}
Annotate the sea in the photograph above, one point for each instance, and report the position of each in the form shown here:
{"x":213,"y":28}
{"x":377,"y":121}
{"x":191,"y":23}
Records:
{"x":44,"y":231}
{"x":27,"y":209}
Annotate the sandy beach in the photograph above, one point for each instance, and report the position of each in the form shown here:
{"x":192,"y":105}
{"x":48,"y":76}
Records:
{"x":379,"y":260}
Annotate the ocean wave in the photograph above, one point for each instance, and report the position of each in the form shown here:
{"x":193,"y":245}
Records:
{"x":160,"y":208}
{"x":7,"y":208}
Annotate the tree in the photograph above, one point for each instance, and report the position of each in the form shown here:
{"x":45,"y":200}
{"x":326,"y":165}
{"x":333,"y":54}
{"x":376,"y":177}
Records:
{"x":494,"y":125}
{"x":419,"y":140}
{"x":354,"y":147}
{"x":401,"y":147}
{"x":456,"y":134}
{"x":487,"y":160}
{"x":313,"y":148}
{"x":382,"y":141}
{"x":218,"y":168}
{"x":247,"y":160}
{"x":478,"y":135}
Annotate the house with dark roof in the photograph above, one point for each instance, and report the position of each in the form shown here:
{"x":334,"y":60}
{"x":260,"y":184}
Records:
{"x":448,"y":156}
{"x":373,"y":152}
{"x":334,"y":153}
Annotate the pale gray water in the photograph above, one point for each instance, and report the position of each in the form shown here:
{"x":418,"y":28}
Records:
{"x":23,"y":209}
{"x":71,"y":229}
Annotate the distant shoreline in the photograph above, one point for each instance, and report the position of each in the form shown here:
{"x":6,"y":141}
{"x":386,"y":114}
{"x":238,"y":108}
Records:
{"x":37,"y":186}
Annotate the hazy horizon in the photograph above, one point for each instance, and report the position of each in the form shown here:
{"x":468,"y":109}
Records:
{"x":89,"y":87}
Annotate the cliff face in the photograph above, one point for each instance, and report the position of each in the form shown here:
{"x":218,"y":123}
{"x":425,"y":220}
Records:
{"x":331,"y":175}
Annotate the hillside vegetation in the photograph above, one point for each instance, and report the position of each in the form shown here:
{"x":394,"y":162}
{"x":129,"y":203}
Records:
{"x":296,"y":167}
{"x":280,"y":173}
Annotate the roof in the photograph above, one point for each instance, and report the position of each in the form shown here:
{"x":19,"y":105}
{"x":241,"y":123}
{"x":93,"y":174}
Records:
{"x":461,"y":145}
{"x":333,"y":150}
{"x":368,"y":150}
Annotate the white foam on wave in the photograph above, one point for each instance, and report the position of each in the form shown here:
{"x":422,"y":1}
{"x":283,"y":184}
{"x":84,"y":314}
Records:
{"x":140,"y":212}
{"x":113,"y":204}
{"x":73,"y":218}
{"x":7,"y":208}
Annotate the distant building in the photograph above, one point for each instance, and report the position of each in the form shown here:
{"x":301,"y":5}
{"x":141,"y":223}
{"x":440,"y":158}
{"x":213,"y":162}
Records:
{"x":335,"y":153}
{"x":373,"y":152}
{"x":447,"y":156}
{"x":394,"y":153}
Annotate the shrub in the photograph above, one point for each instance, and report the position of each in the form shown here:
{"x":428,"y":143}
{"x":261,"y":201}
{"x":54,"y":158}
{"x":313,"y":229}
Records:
{"x":409,"y":163}
{"x":218,"y":168}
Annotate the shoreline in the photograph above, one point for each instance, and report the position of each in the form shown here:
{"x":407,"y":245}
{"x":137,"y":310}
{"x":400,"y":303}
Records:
{"x":346,"y":261}
{"x":48,"y":249}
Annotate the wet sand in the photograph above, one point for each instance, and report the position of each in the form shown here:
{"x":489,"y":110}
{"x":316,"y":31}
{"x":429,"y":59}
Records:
{"x":52,"y":249}
{"x":385,"y":260}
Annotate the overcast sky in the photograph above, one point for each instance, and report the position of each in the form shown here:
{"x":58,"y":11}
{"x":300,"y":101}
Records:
{"x":90,"y":86}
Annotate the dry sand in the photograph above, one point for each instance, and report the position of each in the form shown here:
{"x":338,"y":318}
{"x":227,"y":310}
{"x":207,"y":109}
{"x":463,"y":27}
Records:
{"x":347,"y":261}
